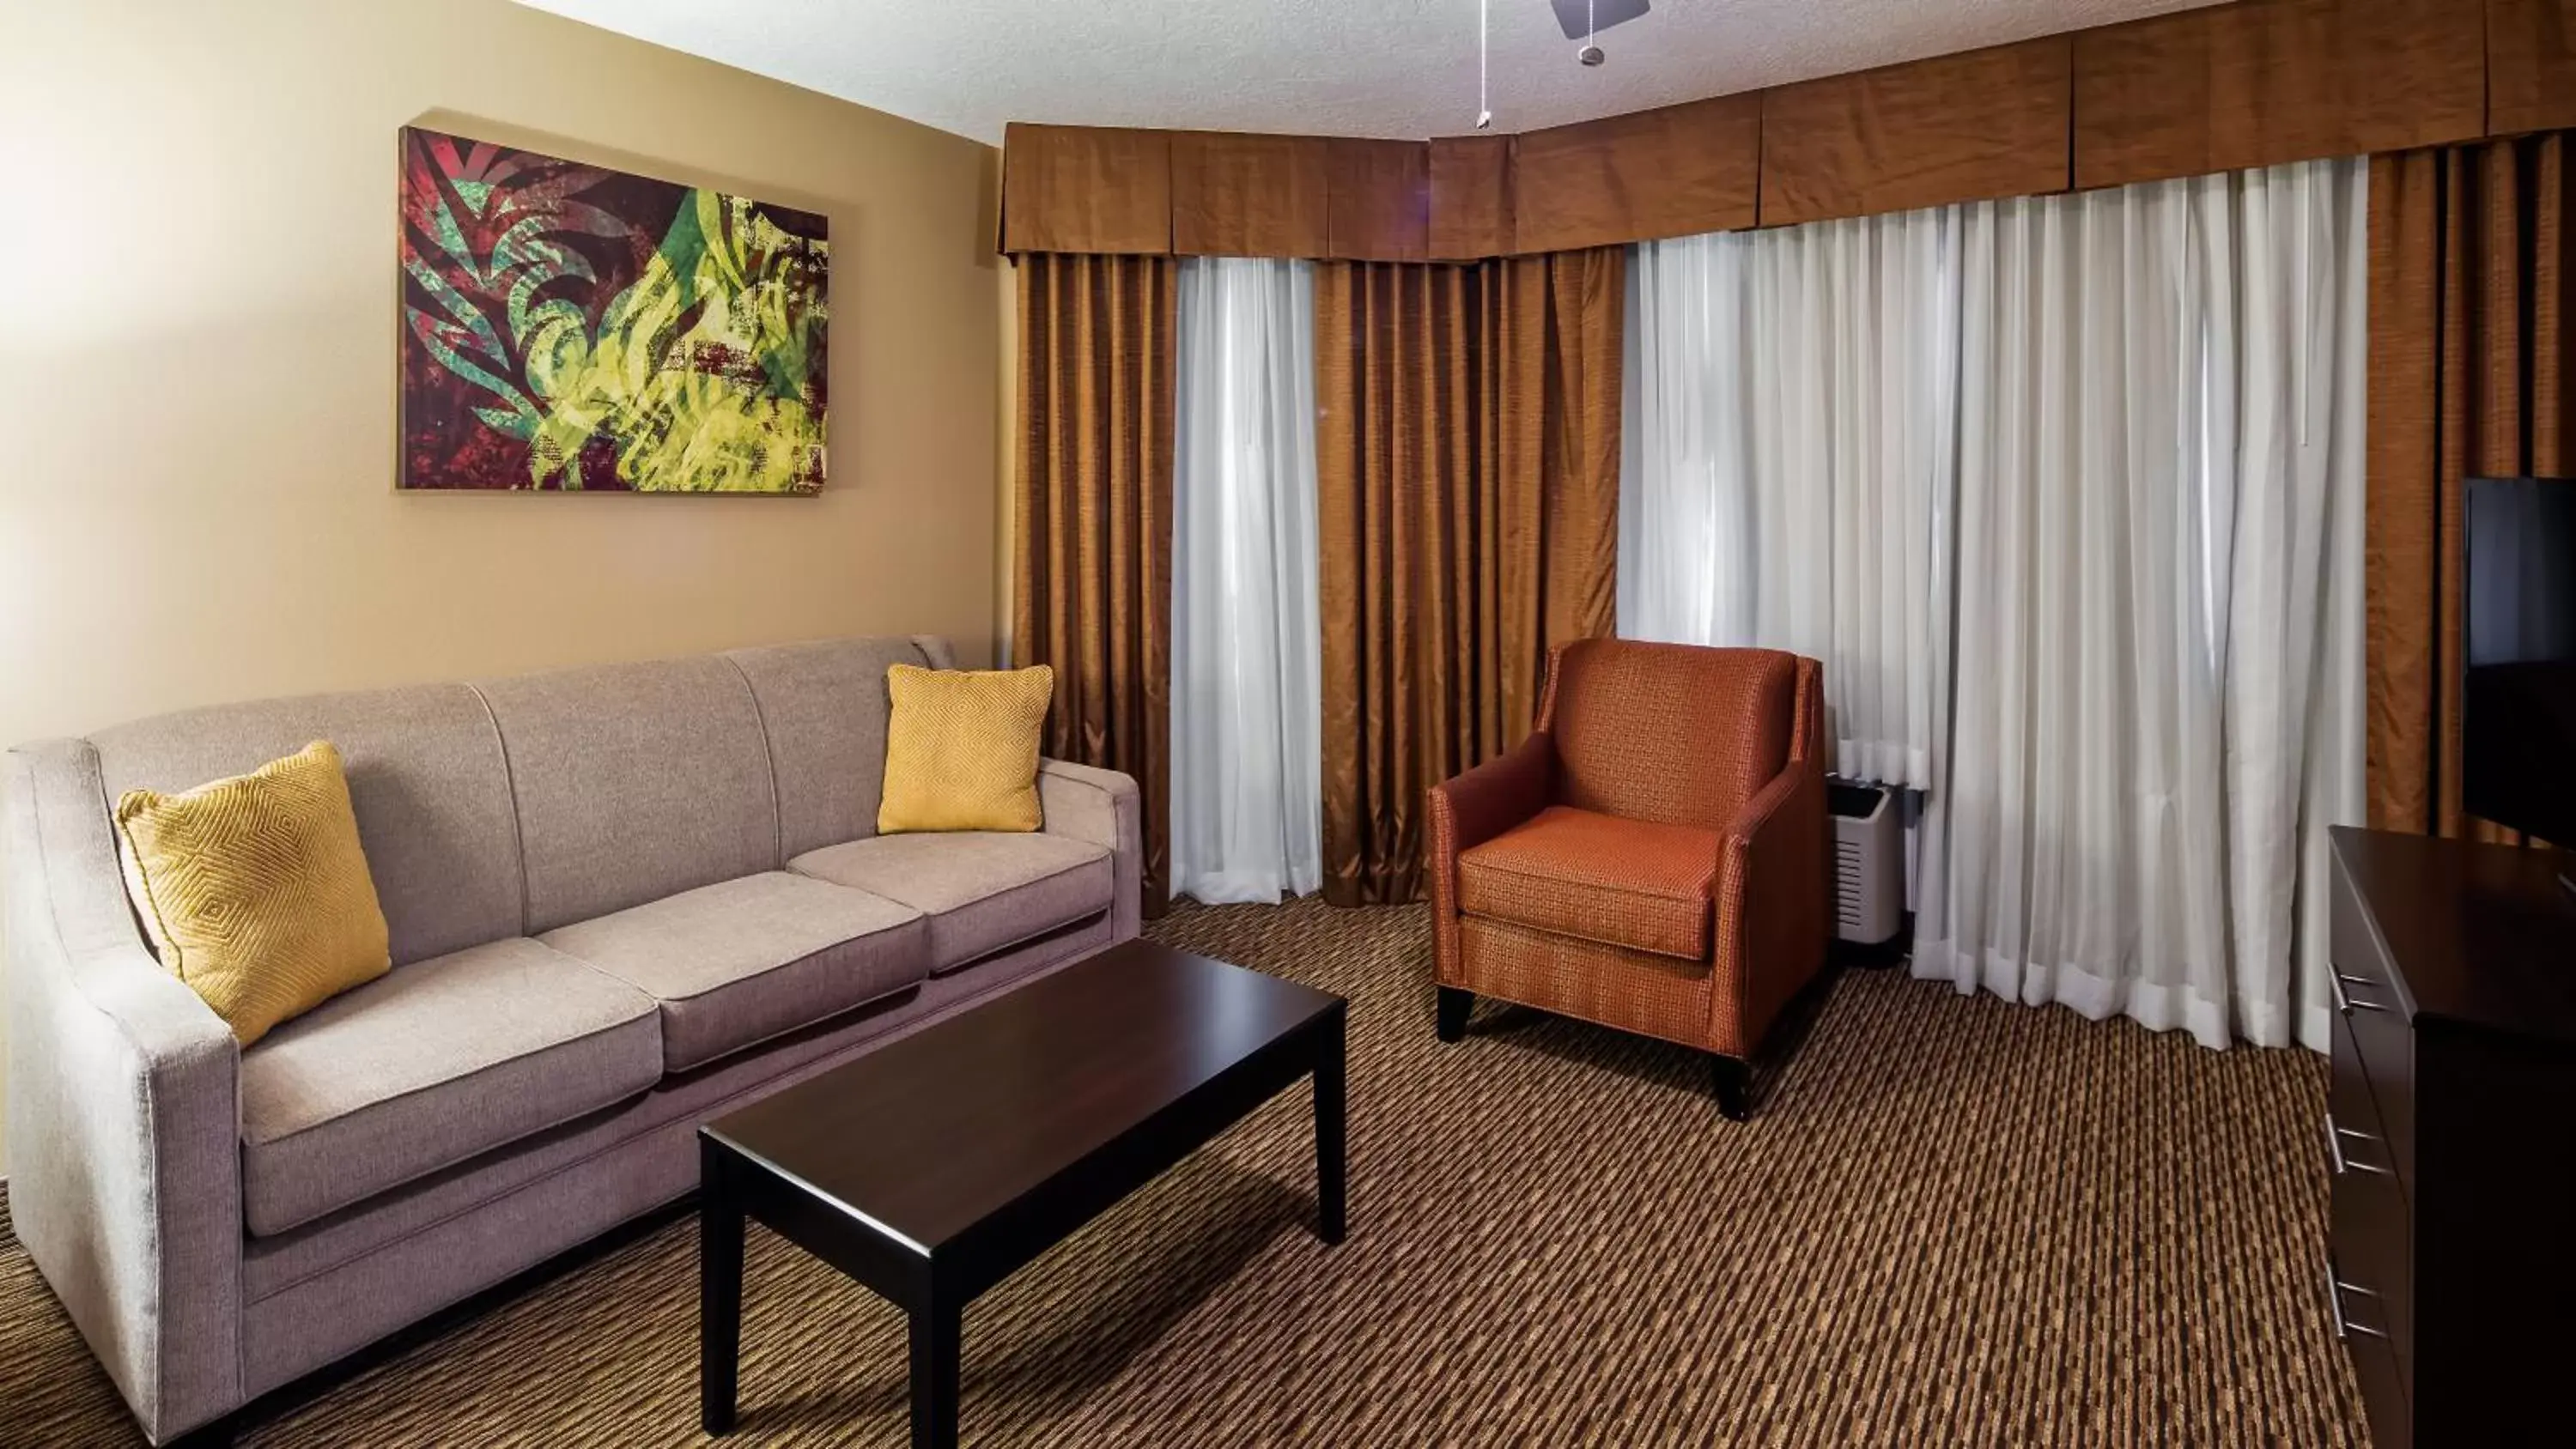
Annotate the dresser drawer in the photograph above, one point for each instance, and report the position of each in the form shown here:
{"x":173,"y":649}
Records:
{"x":2384,"y":1392}
{"x":2374,"y":1262}
{"x":2355,"y":1137}
{"x":2372,"y":1219}
{"x":2374,"y":1041}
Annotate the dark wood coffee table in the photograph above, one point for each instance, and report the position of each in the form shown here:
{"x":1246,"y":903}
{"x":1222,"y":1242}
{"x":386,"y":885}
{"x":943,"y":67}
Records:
{"x":933,"y":1167}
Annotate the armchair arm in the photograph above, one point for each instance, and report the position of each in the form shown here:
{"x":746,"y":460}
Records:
{"x":1493,"y":797}
{"x":1470,"y":810}
{"x":124,"y":1111}
{"x":1774,"y":907}
{"x":1085,"y":802}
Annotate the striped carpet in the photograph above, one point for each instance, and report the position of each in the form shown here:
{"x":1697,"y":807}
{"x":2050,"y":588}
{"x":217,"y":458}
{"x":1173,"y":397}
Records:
{"x":1955,"y":1222}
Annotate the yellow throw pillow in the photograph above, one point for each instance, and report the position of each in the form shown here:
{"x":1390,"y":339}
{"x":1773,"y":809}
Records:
{"x":962,"y":748}
{"x":255,"y":890}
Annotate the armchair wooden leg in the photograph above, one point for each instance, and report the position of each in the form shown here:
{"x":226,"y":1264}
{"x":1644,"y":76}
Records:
{"x":1733,"y":1081}
{"x":1454,"y":1006}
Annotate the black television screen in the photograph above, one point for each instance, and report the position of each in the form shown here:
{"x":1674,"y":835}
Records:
{"x":2518,"y":693}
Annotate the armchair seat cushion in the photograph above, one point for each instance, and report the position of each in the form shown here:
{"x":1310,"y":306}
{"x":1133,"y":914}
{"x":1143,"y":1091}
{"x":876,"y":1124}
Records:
{"x":1597,"y":877}
{"x":982,"y":890}
{"x":441,"y":1060}
{"x":735,"y":963}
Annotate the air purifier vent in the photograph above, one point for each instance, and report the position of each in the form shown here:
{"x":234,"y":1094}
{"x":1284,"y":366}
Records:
{"x":1869,"y":864}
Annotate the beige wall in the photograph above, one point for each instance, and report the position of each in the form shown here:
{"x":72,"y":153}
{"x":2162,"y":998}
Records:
{"x":197,"y":325}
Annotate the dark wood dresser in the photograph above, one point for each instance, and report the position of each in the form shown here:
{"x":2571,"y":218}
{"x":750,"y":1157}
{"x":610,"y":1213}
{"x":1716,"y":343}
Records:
{"x":2451,"y":1137}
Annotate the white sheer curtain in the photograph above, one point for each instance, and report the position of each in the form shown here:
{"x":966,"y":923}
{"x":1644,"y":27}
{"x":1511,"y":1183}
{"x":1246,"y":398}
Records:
{"x":2157,"y":679}
{"x":1790,"y":456}
{"x":2066,"y":492}
{"x":1247,"y":743}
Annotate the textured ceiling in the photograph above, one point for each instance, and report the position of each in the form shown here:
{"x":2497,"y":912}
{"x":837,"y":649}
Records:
{"x":1330,"y":67}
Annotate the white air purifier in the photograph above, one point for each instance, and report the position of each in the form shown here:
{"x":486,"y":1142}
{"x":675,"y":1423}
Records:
{"x":1869,"y":863}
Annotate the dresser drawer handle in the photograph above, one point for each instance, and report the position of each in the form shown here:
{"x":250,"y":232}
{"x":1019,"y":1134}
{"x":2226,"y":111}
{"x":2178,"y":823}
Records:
{"x":2335,"y":1289}
{"x":2345,"y":1001}
{"x":2334,"y":1150}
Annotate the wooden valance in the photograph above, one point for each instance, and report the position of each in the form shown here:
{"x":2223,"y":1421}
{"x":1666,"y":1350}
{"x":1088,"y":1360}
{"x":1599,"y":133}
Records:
{"x":1086,"y":189}
{"x":2531,"y":66}
{"x":1377,"y":201}
{"x":2253,"y":83}
{"x":1471,"y":197}
{"x":1677,"y":171}
{"x":2282,"y":80}
{"x":1968,"y":127}
{"x":1250,"y":196}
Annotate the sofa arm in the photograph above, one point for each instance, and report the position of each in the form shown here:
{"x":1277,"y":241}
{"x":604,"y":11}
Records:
{"x":124,"y":1117}
{"x":1100,"y":806}
{"x":1774,"y":907}
{"x":1468,"y":811}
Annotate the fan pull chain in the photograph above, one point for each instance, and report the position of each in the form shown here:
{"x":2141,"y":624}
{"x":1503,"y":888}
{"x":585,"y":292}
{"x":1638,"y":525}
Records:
{"x":1484,"y":44}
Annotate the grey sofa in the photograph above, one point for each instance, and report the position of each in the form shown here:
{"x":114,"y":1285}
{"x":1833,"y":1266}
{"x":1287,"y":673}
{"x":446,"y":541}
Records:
{"x":621,"y":900}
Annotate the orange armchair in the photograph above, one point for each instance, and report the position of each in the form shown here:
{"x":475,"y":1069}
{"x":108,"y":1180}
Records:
{"x":1652,"y":858}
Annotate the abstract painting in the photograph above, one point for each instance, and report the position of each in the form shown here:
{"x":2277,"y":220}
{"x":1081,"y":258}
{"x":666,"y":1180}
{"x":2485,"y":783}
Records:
{"x":569,"y":327}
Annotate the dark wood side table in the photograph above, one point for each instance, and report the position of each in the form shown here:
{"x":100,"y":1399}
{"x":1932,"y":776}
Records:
{"x":932,"y":1168}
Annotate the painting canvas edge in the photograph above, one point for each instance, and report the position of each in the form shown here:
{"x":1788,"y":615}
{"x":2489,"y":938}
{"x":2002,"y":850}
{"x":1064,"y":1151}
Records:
{"x":568,"y":326}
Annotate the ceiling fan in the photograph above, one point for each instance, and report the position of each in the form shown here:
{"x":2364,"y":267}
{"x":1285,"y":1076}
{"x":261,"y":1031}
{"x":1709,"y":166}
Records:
{"x":1583,"y":19}
{"x":1580,"y":20}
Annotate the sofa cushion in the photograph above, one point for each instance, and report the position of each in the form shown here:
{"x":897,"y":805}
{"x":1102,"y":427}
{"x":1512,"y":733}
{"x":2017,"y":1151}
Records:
{"x":426,"y":779}
{"x":1621,"y":882}
{"x":982,"y":891}
{"x":634,"y":782}
{"x":738,"y":962}
{"x":823,"y":707}
{"x":438,"y":1062}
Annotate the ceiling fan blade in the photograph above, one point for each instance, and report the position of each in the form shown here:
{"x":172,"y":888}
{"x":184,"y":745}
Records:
{"x":1605,"y":13}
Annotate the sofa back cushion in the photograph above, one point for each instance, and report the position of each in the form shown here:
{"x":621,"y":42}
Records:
{"x":427,"y":781}
{"x":1675,"y":734}
{"x":824,"y":708}
{"x":634,"y":782}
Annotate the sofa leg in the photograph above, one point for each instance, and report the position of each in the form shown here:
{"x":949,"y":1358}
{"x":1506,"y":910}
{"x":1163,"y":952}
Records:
{"x":1733,"y":1081}
{"x":1455,"y":1003}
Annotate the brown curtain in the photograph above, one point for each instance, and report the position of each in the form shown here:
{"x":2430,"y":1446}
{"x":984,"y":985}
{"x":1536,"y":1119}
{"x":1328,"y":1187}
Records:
{"x":2470,"y":366}
{"x":1467,"y":462}
{"x":1092,"y":520}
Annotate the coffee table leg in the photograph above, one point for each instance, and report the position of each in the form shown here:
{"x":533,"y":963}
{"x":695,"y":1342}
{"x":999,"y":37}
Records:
{"x":1332,"y":1182}
{"x":719,"y":1293}
{"x":937,"y":1343}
